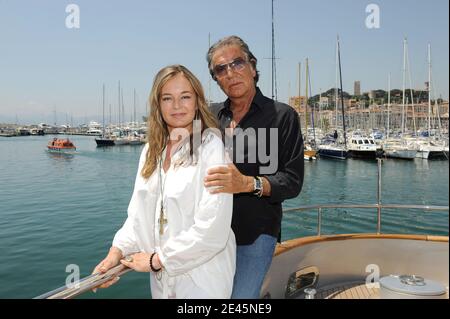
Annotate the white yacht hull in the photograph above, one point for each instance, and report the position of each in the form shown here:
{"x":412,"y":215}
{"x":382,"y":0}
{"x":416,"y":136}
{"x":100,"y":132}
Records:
{"x":422,"y":154}
{"x":121,"y":141}
{"x":402,"y":154}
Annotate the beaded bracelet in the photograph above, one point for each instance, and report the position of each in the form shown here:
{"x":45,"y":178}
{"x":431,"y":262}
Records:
{"x":151,"y":263}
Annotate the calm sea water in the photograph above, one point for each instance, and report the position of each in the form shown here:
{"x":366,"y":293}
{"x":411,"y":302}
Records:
{"x":62,"y":210}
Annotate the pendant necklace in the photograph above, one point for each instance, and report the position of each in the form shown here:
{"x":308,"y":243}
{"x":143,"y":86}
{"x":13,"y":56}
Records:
{"x":162,"y":220}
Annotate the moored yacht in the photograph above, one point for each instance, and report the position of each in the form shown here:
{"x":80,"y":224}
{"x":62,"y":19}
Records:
{"x":429,"y":149}
{"x":399,"y":149}
{"x":333,"y":150}
{"x":360,"y":146}
{"x":105,"y":141}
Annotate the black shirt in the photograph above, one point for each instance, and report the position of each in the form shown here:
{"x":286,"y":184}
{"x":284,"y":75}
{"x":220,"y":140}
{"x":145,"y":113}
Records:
{"x":253,"y":216}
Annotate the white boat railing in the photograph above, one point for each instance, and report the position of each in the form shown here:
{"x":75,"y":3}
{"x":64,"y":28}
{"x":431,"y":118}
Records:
{"x":378,"y":206}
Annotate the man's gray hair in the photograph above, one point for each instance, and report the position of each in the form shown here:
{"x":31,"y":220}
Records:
{"x":228,"y":41}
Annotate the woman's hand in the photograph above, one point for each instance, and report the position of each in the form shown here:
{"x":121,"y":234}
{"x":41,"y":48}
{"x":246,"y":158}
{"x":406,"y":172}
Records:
{"x":112,"y":260}
{"x":140,"y":262}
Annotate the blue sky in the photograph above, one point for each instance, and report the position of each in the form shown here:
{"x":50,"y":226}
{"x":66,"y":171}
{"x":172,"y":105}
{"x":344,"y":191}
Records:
{"x":45,"y":66}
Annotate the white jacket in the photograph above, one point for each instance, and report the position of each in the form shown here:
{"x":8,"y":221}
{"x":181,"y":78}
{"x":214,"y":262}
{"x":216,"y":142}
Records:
{"x":198,"y":248}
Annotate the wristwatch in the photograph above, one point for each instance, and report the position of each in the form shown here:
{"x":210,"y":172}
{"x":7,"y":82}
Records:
{"x":257,"y":186}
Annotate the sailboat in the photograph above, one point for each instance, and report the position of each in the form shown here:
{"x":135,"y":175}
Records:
{"x":331,"y":148}
{"x":396,"y":148}
{"x":429,"y":148}
{"x":104,"y":140}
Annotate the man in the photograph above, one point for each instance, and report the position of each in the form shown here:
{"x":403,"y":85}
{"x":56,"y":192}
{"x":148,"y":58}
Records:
{"x":259,"y":186}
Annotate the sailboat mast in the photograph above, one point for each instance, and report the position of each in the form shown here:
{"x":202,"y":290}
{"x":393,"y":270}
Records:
{"x":336,"y":90}
{"x":404,"y":88}
{"x":274,"y":75}
{"x":103,"y":133}
{"x":306,"y":97}
{"x":118,"y":104}
{"x":389,"y":104}
{"x":134,"y":106}
{"x":299,"y":87}
{"x":123,"y":107}
{"x":320,"y":109}
{"x":408,"y":66}
{"x":312,"y":106}
{"x":429,"y":89}
{"x":342,"y":93}
{"x":436,"y":105}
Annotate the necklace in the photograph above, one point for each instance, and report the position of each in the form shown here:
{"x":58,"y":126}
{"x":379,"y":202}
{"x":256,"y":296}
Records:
{"x":162,"y":220}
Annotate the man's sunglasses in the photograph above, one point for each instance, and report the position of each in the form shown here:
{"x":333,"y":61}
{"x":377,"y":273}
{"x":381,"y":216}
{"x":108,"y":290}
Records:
{"x":221,"y":70}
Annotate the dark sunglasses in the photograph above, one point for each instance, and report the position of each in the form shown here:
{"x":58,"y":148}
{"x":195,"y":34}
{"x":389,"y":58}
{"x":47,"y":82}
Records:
{"x":237,"y":64}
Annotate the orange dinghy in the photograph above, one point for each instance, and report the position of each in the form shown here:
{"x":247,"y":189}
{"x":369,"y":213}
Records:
{"x":61,"y":146}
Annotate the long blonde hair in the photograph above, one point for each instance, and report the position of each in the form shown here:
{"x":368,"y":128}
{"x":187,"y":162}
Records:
{"x":158,"y":133}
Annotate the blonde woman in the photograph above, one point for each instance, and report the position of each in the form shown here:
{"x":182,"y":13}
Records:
{"x":176,"y":229}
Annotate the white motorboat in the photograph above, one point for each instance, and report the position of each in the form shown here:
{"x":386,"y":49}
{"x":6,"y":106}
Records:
{"x":361,"y":146}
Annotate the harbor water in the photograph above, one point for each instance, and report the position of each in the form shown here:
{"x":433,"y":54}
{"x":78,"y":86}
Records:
{"x":62,"y":211}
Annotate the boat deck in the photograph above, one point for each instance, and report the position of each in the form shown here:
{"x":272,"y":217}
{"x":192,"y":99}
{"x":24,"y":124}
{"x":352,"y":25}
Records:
{"x":348,"y":291}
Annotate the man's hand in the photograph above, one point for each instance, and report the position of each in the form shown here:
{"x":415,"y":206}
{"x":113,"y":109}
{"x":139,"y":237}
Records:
{"x":228,"y":179}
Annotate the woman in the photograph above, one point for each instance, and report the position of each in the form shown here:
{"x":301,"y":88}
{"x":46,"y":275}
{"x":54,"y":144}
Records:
{"x":176,"y":229}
